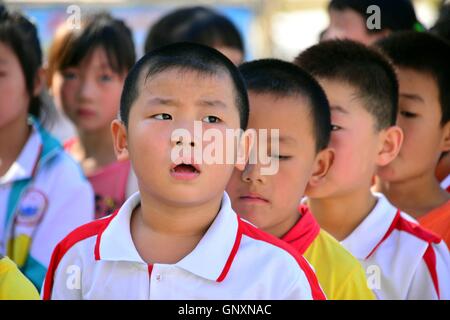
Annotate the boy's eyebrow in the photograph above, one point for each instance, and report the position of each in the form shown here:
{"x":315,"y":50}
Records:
{"x":339,"y":109}
{"x":212,"y":103}
{"x":287,"y":139}
{"x":176,"y":103}
{"x":412,"y":96}
{"x":162,"y":101}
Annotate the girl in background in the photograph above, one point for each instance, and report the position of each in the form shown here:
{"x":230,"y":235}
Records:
{"x":86,"y":72}
{"x":39,"y":181}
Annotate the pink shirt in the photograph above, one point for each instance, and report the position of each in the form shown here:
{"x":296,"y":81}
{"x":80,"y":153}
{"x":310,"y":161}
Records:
{"x":109,"y":184}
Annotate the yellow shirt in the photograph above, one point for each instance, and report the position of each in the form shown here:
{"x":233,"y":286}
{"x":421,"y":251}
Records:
{"x":340,"y":274}
{"x":13,"y":284}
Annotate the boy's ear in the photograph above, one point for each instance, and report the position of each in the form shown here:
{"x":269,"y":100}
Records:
{"x":39,"y":82}
{"x":119,"y":135}
{"x":391,"y":142}
{"x":446,"y":137}
{"x":322,"y":164}
{"x":245,"y":146}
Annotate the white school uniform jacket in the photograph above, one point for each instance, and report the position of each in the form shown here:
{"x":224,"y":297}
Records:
{"x":233,"y":260}
{"x":402,"y":259}
{"x":43,"y":196}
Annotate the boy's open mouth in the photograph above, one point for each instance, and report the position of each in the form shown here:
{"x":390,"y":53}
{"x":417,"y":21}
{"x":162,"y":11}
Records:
{"x":185,"y":171}
{"x":185,"y":168}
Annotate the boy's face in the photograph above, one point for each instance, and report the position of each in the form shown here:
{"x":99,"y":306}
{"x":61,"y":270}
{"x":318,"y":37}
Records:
{"x":420,"y":117}
{"x":90,"y":92}
{"x":170,"y":101}
{"x":354,"y":140}
{"x":270,"y":201}
{"x":349,"y":24}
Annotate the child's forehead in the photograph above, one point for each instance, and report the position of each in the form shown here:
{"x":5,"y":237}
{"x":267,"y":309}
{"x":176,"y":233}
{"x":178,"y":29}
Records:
{"x":95,"y":58}
{"x":343,"y":95}
{"x":291,"y":105}
{"x":291,"y":114}
{"x":169,"y":80}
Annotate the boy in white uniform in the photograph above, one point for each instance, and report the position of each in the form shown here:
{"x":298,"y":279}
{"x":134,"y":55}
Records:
{"x":402,"y":260}
{"x":178,"y":238}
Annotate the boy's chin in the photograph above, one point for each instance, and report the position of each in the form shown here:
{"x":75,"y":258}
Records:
{"x":189,"y":196}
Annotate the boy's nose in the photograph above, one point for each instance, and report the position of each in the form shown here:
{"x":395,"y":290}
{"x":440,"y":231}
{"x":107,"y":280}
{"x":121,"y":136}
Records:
{"x":252,"y":174}
{"x":186,"y":134}
{"x":180,"y":142}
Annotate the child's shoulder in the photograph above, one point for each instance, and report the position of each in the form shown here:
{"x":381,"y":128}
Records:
{"x":13,"y":284}
{"x":263,"y":245}
{"x":327,"y":250}
{"x":272,"y":255}
{"x":405,"y":239}
{"x":92,"y":229}
{"x":261,"y":239}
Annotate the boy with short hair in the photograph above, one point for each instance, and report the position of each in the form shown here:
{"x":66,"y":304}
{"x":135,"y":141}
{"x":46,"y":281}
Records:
{"x":403,"y":260}
{"x":409,"y":182}
{"x":178,"y":237}
{"x":283,"y":97}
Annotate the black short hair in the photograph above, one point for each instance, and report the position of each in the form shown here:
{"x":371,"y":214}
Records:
{"x":395,"y":15}
{"x":98,"y":30}
{"x":21,"y":36}
{"x":284,"y":79}
{"x":363,"y":68}
{"x":425,"y":53}
{"x":188,"y":57}
{"x":194,"y":24}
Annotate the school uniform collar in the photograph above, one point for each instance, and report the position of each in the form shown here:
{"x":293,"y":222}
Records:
{"x":372,"y":230}
{"x":211,"y":258}
{"x":39,"y":148}
{"x":304,"y":232}
{"x":26,"y":162}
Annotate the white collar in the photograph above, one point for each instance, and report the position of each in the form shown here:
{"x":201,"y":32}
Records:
{"x":210,"y":257}
{"x":26,"y":162}
{"x":371,"y":231}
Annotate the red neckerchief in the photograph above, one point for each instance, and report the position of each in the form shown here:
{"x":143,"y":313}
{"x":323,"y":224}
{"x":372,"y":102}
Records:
{"x":304,"y":232}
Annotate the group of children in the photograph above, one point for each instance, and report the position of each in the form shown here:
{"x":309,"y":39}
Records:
{"x":354,"y":210}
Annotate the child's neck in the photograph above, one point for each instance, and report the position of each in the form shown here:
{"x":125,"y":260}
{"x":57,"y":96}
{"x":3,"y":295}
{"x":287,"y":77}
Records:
{"x":417,"y":196}
{"x":173,"y":231}
{"x":13,"y":138}
{"x":341,"y":215}
{"x":282,"y":228}
{"x":94,"y":149}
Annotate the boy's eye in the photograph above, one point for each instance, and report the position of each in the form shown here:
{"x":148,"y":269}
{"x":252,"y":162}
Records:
{"x":281,"y":157}
{"x":162,"y":116}
{"x":408,"y":114}
{"x":211,"y":119}
{"x":335,"y":127}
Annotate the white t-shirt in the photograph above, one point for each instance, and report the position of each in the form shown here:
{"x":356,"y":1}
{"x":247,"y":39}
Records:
{"x":233,"y":260}
{"x":43,"y":196}
{"x":402,"y":259}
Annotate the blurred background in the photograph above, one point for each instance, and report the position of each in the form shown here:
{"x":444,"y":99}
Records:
{"x":270,"y":28}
